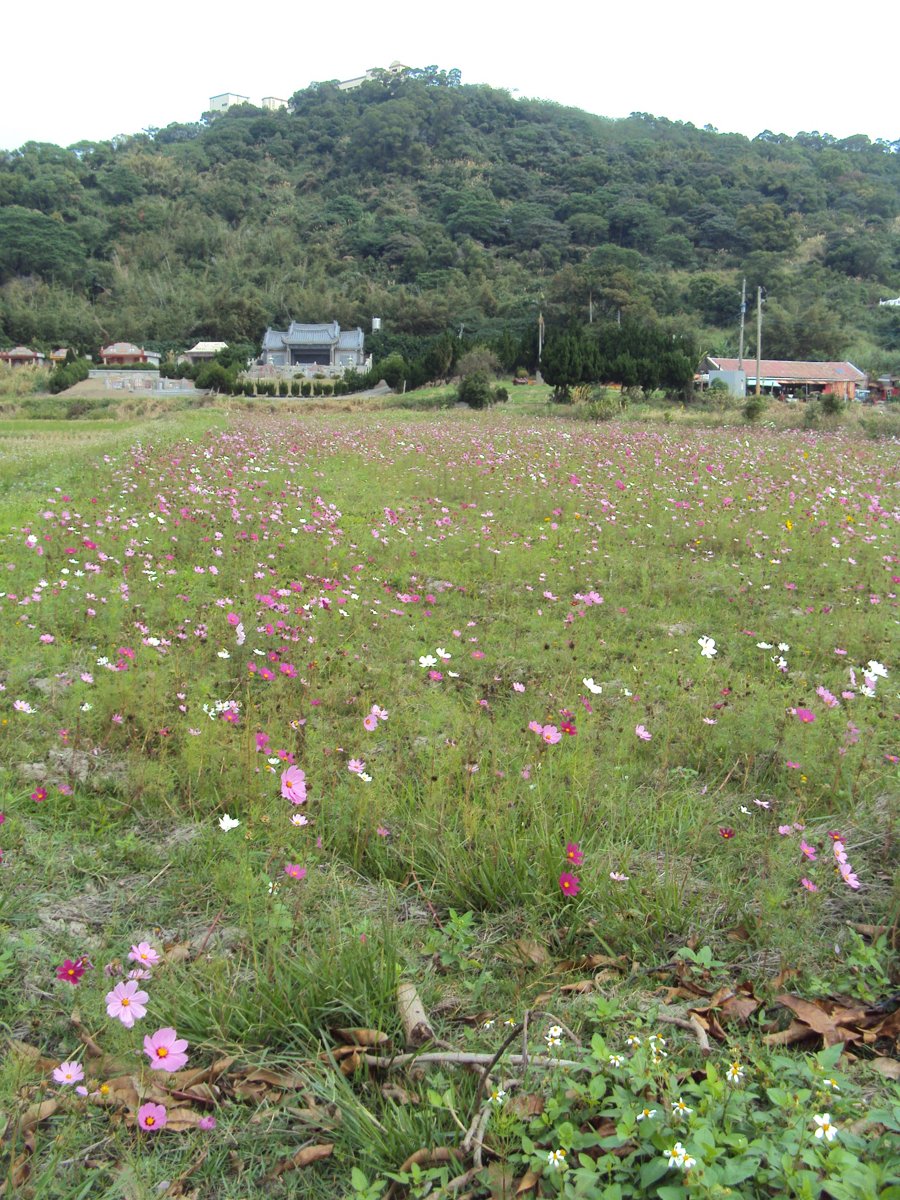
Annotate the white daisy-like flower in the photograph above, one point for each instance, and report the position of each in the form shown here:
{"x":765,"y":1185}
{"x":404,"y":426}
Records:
{"x":556,"y":1160}
{"x":735,"y":1073}
{"x":427,"y":660}
{"x":226,"y":822}
{"x":646,"y":1114}
{"x":223,"y":654}
{"x":592,"y":687}
{"x":707,"y":646}
{"x":825,"y":1130}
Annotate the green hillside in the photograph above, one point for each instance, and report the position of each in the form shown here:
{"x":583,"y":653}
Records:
{"x":435,"y":205}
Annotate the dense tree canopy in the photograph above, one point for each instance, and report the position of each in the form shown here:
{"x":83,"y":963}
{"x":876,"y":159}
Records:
{"x":435,"y":205}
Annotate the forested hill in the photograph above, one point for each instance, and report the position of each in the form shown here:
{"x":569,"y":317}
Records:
{"x":434,"y":205}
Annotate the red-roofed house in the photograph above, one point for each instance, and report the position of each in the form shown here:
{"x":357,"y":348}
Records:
{"x":126,"y":354}
{"x":22,"y":356}
{"x":798,"y":378}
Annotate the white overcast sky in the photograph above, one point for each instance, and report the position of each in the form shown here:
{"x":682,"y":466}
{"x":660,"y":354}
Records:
{"x":94,"y":69}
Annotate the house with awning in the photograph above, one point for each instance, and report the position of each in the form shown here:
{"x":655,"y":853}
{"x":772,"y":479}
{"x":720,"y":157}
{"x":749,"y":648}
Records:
{"x":23,"y":356}
{"x":314,"y":346}
{"x":126,"y":354}
{"x":784,"y":377}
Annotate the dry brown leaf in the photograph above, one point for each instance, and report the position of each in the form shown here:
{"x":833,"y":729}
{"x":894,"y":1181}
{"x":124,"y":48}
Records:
{"x":710,"y":1023}
{"x":784,"y":975}
{"x":889,"y":1026}
{"x":393,"y":1091}
{"x":177,"y":952}
{"x":590,"y":962}
{"x":430,"y":1158}
{"x":362,"y":1037}
{"x":261,"y":1082}
{"x":797,"y":1031}
{"x":730,"y":1004}
{"x":530,"y":951}
{"x":526,"y":1104}
{"x":303,"y":1158}
{"x":833,"y":1024}
{"x":32,"y":1055}
{"x":179,"y":1119}
{"x":35,"y":1114}
{"x":888,"y":1067}
{"x":579,"y":988}
{"x":528,"y":1182}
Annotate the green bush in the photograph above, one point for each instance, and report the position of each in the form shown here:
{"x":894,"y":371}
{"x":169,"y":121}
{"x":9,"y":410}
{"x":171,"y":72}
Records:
{"x":475,"y":390}
{"x":501,"y":395}
{"x":295,"y":387}
{"x":754,"y":407}
{"x":832,"y":404}
{"x":284,"y":388}
{"x":305,"y":388}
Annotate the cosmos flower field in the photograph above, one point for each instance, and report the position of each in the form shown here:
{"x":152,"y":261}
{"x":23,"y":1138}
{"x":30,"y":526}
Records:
{"x":294,"y":708}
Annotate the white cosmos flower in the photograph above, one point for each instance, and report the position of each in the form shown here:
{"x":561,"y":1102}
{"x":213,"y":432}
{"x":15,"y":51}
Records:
{"x":783,"y":647}
{"x":223,"y":654}
{"x":592,"y":687}
{"x":226,"y":822}
{"x":707,"y":646}
{"x":427,"y":660}
{"x":442,"y":653}
{"x":764,"y":646}
{"x":878,"y":669}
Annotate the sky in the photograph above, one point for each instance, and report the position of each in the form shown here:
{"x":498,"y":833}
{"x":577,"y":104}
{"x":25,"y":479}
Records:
{"x":96,"y":69}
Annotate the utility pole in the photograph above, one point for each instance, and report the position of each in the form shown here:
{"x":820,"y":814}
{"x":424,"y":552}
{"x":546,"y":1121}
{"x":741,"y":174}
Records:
{"x":540,"y":336}
{"x":743,"y":313}
{"x":590,"y":308}
{"x":759,"y":292}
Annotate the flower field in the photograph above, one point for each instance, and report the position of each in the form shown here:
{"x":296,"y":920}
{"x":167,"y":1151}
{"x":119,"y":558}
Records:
{"x":589,"y":730}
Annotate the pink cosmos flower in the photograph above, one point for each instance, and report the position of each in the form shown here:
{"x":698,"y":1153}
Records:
{"x":206,"y":1123}
{"x":618,"y":877}
{"x":644,"y":734}
{"x":810,"y":887}
{"x":785,"y":830}
{"x":535,"y":727}
{"x":39,"y":794}
{"x":809,"y":851}
{"x":806,"y":715}
{"x":295,"y":871}
{"x":570,"y":885}
{"x":518,"y":687}
{"x":293,"y":785}
{"x":380,"y":713}
{"x":127,"y":1002}
{"x":370,"y":722}
{"x":68,"y":1072}
{"x":144,"y":953}
{"x":848,"y":875}
{"x":152,"y":1117}
{"x":574,"y":854}
{"x":551,"y":734}
{"x":166,"y":1050}
{"x":356,"y":766}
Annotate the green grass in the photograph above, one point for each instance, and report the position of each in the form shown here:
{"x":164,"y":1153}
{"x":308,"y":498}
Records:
{"x":487,"y":535}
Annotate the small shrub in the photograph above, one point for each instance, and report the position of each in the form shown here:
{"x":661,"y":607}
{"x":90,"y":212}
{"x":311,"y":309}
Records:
{"x":501,"y":395}
{"x":754,"y":407}
{"x":831,"y":404}
{"x":475,"y":390}
{"x":284,"y":388}
{"x":295,"y":387}
{"x":305,"y":388}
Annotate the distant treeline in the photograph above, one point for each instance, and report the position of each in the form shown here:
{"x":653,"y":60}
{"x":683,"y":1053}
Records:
{"x":438,"y":207}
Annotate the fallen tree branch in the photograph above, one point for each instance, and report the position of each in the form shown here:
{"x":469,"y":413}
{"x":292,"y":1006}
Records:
{"x":461,"y":1058}
{"x":416,"y":1026}
{"x":692,"y":1025}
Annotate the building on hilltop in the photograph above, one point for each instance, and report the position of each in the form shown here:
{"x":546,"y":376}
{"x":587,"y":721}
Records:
{"x":784,"y":378}
{"x":396,"y":68}
{"x":272,"y":103}
{"x":314,"y":346}
{"x":223,"y":102}
{"x":126,"y":354}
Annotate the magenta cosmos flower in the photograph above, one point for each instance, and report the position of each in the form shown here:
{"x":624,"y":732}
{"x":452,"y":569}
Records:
{"x":166,"y":1050}
{"x":293,"y":785}
{"x":152,"y":1116}
{"x":570,"y":885}
{"x":295,"y":870}
{"x":806,"y":715}
{"x":127,"y":1002}
{"x":574,"y":854}
{"x":70,"y":971}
